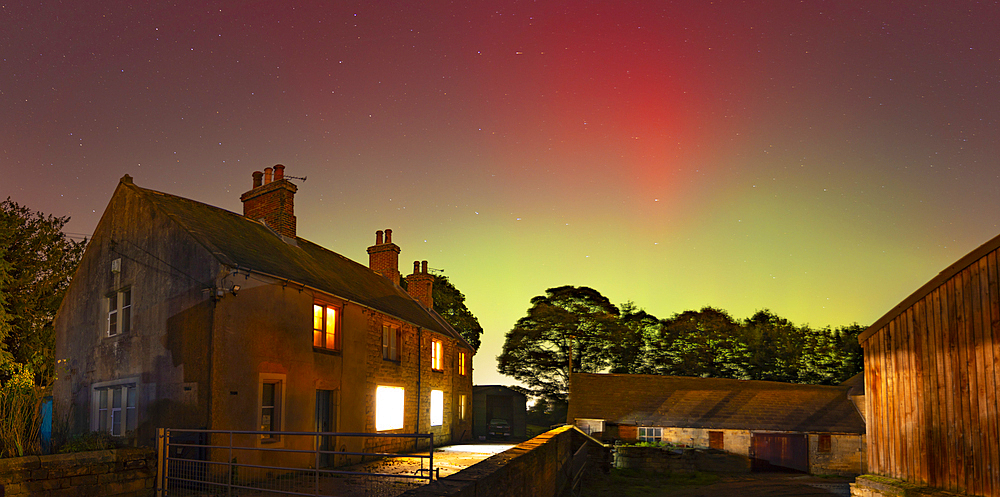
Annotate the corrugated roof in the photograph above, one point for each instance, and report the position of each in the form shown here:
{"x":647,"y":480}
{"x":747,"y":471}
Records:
{"x":247,"y":244}
{"x":677,"y":401}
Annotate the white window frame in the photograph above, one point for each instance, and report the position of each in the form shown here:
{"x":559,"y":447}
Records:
{"x":119,"y":306}
{"x":392,"y":342}
{"x":124,"y":386}
{"x":389,"y":407}
{"x":650,"y":434}
{"x":590,"y":426}
{"x":277,"y":421}
{"x":437,"y":407}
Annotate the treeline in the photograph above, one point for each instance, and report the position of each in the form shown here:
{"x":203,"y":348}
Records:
{"x":604,"y":338}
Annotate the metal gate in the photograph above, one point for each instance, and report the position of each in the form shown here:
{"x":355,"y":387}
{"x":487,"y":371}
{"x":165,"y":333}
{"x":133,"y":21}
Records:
{"x":218,"y":462}
{"x":779,"y":452}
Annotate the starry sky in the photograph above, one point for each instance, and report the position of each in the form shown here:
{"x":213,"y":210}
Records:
{"x":820,"y":159}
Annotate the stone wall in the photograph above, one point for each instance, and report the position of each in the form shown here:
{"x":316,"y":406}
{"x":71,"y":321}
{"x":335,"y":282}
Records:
{"x":122,"y":472}
{"x":846,"y":455}
{"x":540,"y":466}
{"x":880,"y":486}
{"x":680,"y":460}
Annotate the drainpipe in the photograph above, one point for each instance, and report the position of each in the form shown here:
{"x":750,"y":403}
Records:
{"x":420,"y":359}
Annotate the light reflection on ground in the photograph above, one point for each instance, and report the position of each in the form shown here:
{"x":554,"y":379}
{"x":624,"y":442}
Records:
{"x":475,"y":448}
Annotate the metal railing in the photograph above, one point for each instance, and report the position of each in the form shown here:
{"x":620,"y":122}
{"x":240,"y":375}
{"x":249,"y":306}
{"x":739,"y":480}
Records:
{"x":227,"y":462}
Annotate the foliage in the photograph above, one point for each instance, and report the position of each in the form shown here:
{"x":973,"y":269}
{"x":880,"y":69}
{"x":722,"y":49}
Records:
{"x":450,"y":304}
{"x":566,"y":321}
{"x":703,"y":343}
{"x":20,"y":410}
{"x":38,"y":261}
{"x":95,"y":440}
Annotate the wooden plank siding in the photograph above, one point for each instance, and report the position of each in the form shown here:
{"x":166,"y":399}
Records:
{"x":931,"y":380}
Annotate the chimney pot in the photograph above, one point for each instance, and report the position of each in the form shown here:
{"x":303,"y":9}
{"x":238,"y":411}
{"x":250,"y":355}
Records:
{"x":388,"y":236}
{"x":378,"y":237}
{"x":279,"y":172}
{"x":267,"y":175}
{"x":416,"y":267}
{"x":423,"y":267}
{"x":257,"y":178}
{"x":274,"y":203}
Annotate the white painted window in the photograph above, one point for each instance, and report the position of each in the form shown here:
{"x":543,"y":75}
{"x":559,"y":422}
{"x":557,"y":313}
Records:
{"x":388,"y":408}
{"x":271,"y":402}
{"x":115,"y":407}
{"x":119,"y":312}
{"x":590,"y":426}
{"x":437,"y":407}
{"x":650,"y":434}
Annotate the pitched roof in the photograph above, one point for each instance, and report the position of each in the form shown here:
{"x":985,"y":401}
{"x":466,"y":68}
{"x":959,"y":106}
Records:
{"x":677,"y":401}
{"x":243,"y":243}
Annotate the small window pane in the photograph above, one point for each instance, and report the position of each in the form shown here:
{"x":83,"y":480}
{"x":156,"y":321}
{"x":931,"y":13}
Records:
{"x":267,"y":398}
{"x":317,"y":325}
{"x":103,"y":403}
{"x":331,"y":327}
{"x":116,"y":395}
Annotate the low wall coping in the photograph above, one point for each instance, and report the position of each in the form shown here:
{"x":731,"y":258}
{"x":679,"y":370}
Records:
{"x":901,"y":488}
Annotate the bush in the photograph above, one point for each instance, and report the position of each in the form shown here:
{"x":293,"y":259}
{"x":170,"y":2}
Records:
{"x":95,"y":440}
{"x":20,"y":411}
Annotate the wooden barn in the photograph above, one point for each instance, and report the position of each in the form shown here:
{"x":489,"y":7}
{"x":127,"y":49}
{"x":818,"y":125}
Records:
{"x":931,"y":377}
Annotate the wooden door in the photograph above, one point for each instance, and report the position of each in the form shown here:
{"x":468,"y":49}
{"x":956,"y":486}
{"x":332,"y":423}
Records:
{"x":779,"y":452}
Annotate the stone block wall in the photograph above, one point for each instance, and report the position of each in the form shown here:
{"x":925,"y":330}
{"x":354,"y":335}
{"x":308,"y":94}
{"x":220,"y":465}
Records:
{"x":847,"y":455}
{"x":540,"y":466}
{"x":680,"y":460}
{"x":122,"y":472}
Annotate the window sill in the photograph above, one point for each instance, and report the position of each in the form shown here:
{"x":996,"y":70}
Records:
{"x":394,"y":361}
{"x":437,"y":371}
{"x":322,"y":350}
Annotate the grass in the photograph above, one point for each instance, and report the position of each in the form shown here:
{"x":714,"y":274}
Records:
{"x":631,"y":482}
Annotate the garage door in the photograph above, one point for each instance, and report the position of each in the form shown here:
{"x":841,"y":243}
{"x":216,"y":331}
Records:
{"x":779,"y":452}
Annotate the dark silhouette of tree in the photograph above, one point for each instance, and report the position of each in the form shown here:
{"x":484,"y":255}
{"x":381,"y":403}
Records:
{"x":567,"y":319}
{"x":37,"y":261}
{"x":450,"y":304}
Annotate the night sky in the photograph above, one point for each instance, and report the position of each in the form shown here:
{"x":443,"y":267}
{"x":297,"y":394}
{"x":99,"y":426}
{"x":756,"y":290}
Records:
{"x":820,"y":159}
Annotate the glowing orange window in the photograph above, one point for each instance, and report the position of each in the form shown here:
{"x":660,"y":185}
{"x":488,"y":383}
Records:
{"x":436,"y":349}
{"x":461,"y":363}
{"x":325,"y":324}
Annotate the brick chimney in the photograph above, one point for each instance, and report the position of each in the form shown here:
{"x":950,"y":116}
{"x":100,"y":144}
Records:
{"x":383,"y":257}
{"x":420,"y":284}
{"x":271,"y":200}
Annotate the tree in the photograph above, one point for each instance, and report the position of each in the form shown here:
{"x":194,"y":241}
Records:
{"x":629,"y":354}
{"x":566,"y":321}
{"x":450,"y":304}
{"x":702,"y":343}
{"x":38,"y":263}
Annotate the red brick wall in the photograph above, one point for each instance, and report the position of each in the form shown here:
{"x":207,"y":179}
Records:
{"x":274,"y":203}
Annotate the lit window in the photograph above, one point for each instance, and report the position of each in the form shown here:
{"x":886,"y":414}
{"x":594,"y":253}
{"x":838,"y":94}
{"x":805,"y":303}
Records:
{"x":392,"y":342}
{"x":388,"y":408}
{"x":116,"y":409}
{"x":463,"y":401}
{"x":270,"y":406}
{"x":436,"y":349}
{"x":461,"y":363}
{"x":650,"y":434}
{"x":325,"y":324}
{"x":437,"y":407}
{"x":119,"y":312}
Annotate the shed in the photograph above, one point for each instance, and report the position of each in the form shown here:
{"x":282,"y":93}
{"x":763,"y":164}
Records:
{"x":499,"y":402}
{"x":931,"y":379}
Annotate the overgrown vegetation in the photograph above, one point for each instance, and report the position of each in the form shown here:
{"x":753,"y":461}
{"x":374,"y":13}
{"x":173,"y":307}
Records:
{"x":37,"y":261}
{"x":600,"y":337}
{"x":95,"y":440}
{"x":20,"y":410}
{"x":632,"y":482}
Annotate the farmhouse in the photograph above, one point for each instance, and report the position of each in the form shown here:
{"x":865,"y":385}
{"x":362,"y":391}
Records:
{"x":813,"y":428}
{"x":931,"y":376}
{"x":185,"y":315}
